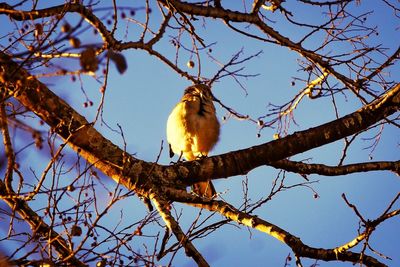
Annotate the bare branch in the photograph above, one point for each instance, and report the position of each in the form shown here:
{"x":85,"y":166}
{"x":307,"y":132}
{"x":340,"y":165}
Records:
{"x":163,"y":208}
{"x":298,"y":247}
{"x":321,"y":169}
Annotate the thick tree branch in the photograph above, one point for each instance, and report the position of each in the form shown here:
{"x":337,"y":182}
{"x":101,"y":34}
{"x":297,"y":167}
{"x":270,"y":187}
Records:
{"x":242,"y":161}
{"x":72,"y":127}
{"x":131,"y":172}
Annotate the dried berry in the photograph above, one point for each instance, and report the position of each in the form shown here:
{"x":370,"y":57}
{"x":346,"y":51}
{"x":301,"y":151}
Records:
{"x":71,"y":188}
{"x":38,"y":30}
{"x":65,"y":27}
{"x":190,"y":64}
{"x":75,"y":42}
{"x":101,"y":263}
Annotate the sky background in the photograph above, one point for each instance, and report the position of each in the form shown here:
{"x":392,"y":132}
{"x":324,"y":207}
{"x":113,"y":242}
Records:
{"x":141,"y":99}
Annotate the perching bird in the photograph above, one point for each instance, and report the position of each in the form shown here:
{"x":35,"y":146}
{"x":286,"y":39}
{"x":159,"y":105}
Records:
{"x":193,"y":129}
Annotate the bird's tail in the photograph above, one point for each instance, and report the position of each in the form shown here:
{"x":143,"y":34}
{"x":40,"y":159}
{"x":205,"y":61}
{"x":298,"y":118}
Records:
{"x":205,"y":189}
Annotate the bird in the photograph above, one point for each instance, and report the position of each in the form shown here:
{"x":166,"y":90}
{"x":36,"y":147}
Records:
{"x":193,"y":130}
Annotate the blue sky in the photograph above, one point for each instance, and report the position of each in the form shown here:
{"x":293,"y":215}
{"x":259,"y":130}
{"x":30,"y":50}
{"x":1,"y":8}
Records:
{"x":141,"y":99}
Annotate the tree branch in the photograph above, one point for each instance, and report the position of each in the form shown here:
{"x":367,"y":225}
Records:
{"x":321,"y":169}
{"x":240,"y":162}
{"x":163,"y":208}
{"x":299,"y":248}
{"x":8,"y":148}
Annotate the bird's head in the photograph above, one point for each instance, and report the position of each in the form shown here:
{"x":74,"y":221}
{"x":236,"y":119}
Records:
{"x":201,"y":90}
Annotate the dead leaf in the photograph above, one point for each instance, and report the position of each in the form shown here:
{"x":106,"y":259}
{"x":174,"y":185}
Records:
{"x":119,"y":60}
{"x":88,"y":60}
